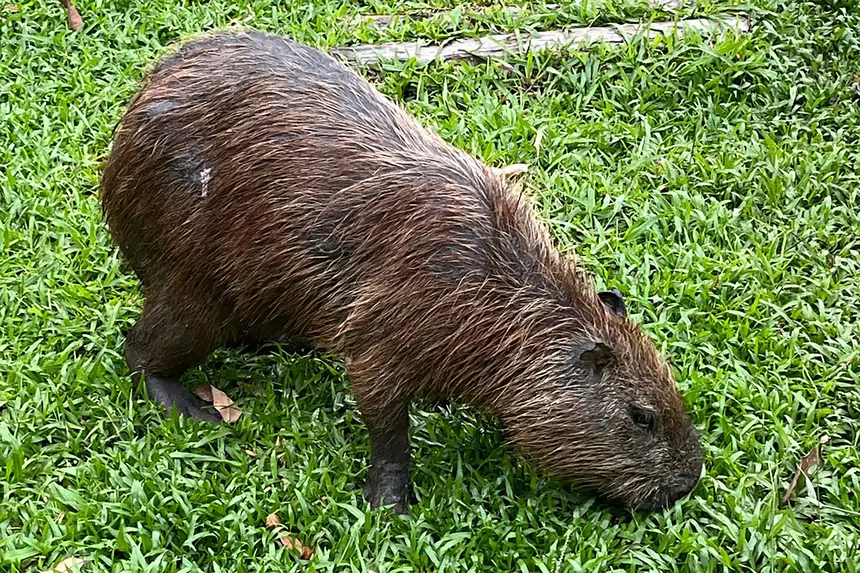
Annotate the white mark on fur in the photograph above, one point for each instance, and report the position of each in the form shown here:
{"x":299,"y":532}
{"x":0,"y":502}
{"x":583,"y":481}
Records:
{"x":205,"y":177}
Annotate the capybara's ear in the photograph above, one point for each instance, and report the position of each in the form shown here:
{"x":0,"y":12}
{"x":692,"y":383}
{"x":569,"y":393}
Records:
{"x":513,"y":175}
{"x":596,"y":356}
{"x":614,"y":302}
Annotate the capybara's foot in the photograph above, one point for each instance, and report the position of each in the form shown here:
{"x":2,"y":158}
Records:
{"x":388,"y":484}
{"x":171,"y":394}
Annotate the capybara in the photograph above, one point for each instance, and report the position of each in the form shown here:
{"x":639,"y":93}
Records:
{"x":259,"y":188}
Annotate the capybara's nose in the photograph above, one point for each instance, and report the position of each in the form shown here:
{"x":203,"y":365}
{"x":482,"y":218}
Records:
{"x":685,"y":484}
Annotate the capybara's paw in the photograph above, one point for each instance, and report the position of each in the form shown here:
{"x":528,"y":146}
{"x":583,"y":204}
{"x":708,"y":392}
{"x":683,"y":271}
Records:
{"x":171,"y":394}
{"x":199,"y":411}
{"x":388,"y":486}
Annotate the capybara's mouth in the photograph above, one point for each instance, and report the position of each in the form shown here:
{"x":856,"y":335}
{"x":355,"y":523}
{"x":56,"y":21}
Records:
{"x":666,"y":497}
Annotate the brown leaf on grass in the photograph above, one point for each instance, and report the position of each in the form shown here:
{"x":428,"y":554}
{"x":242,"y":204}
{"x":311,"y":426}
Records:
{"x":11,"y":8}
{"x":229,"y":412}
{"x":75,"y":21}
{"x":67,"y":565}
{"x":222,"y":402}
{"x":811,"y":460}
{"x":291,"y":543}
{"x":204,"y":392}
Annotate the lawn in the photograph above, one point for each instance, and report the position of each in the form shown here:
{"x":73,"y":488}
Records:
{"x":715,"y":182}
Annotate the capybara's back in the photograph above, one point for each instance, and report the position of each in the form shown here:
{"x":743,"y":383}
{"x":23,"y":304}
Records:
{"x":258,"y":188}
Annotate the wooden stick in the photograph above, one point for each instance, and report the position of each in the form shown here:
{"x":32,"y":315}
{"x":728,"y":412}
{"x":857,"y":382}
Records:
{"x":383,"y":21}
{"x":500,"y":45}
{"x":671,"y":5}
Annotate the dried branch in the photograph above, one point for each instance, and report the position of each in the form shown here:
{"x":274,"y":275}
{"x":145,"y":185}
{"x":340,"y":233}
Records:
{"x":500,"y":45}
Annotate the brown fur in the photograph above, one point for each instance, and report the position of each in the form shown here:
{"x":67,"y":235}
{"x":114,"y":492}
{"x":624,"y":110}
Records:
{"x":257,"y":187}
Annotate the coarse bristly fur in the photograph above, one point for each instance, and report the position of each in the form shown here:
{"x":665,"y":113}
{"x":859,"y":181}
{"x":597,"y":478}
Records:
{"x":258,"y":187}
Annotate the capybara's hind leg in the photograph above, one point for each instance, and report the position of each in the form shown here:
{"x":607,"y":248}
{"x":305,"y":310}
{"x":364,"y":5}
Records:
{"x":163,"y":346}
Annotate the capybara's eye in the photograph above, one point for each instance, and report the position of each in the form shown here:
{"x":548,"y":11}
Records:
{"x":643,"y":418}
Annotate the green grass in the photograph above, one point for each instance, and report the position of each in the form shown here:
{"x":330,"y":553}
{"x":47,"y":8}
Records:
{"x":715,"y":183}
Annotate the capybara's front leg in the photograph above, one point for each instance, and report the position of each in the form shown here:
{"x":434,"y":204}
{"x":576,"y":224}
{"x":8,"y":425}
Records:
{"x":388,"y":479}
{"x":387,"y":420}
{"x":162,"y":346}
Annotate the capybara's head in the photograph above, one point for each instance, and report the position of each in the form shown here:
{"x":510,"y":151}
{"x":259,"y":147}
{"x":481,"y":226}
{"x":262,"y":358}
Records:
{"x":604,"y":410}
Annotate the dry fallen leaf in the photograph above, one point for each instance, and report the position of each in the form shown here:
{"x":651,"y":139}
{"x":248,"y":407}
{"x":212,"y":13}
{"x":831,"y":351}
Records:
{"x":291,"y":543}
{"x":251,"y":453}
{"x":67,"y":565}
{"x":294,"y":544}
{"x":811,"y":460}
{"x":75,"y":21}
{"x":10,"y":8}
{"x":204,"y":392}
{"x":229,"y":412}
{"x":225,"y":407}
